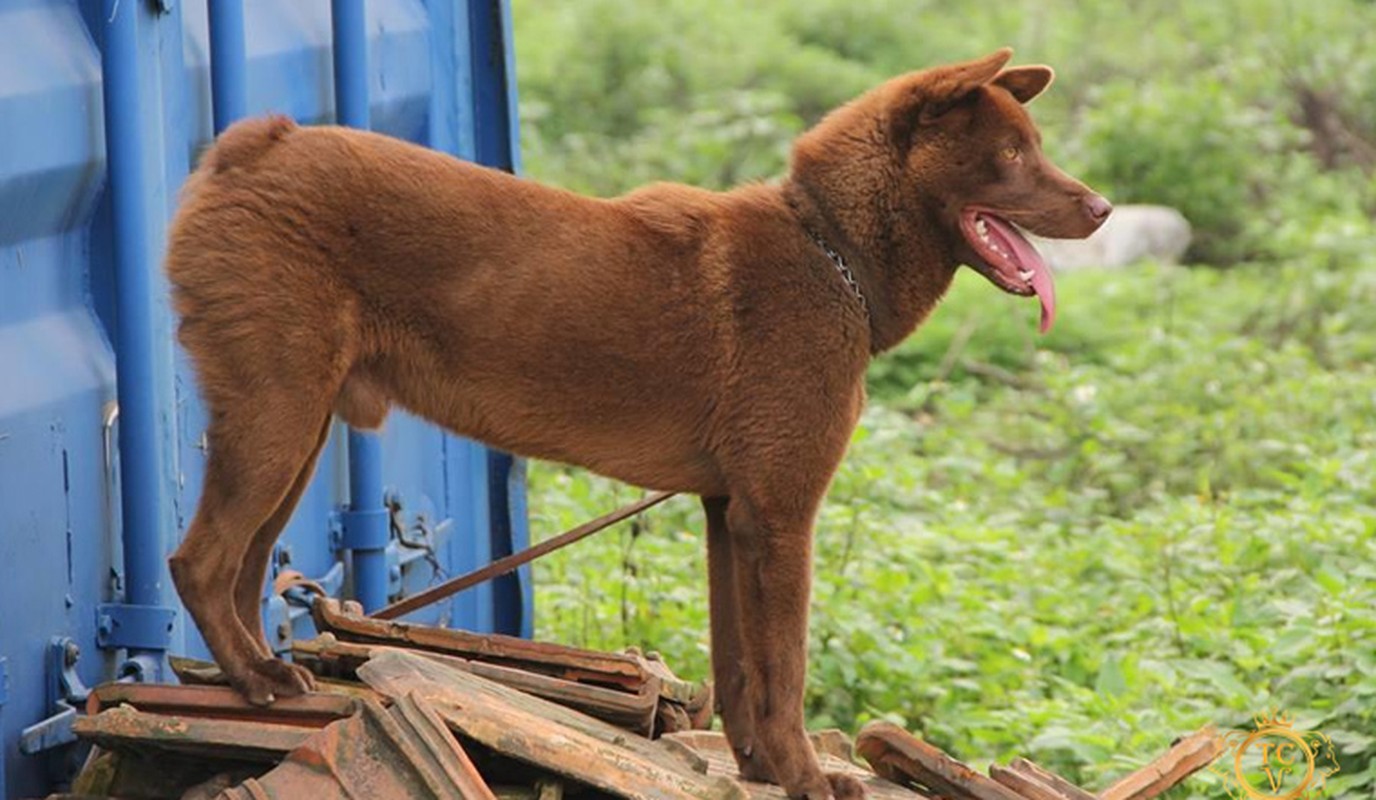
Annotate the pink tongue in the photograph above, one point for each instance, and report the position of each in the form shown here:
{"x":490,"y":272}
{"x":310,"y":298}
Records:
{"x":1041,"y":278}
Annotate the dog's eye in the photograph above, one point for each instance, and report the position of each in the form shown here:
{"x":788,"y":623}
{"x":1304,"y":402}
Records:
{"x":1010,"y":153}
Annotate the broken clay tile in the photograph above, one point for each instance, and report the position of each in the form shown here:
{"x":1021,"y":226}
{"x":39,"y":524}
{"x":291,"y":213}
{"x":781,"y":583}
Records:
{"x":315,"y":710}
{"x":124,"y":728}
{"x":326,"y":655}
{"x":1186,"y":757}
{"x":628,"y":671}
{"x":195,"y":672}
{"x":155,"y":774}
{"x":1034,"y":771}
{"x":374,"y":754}
{"x":544,"y":734}
{"x":833,"y":750}
{"x":903,"y":758}
{"x":1025,"y":785}
{"x":568,"y":662}
{"x":831,"y":742}
{"x":446,"y":754}
{"x":691,"y":696}
{"x":683,"y":705}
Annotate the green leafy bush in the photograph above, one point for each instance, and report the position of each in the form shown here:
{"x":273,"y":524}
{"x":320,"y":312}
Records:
{"x":1191,"y":145}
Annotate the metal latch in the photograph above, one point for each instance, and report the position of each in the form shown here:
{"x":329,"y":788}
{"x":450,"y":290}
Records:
{"x":66,"y":693}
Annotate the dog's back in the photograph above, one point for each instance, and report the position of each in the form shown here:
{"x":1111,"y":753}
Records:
{"x":370,"y":272}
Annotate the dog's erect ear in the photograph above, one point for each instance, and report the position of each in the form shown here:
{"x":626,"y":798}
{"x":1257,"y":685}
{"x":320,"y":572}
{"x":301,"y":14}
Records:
{"x":947,"y":86}
{"x":925,"y":96}
{"x":1025,"y":83}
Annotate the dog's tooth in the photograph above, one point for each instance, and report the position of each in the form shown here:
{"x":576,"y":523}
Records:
{"x":1026,"y":274}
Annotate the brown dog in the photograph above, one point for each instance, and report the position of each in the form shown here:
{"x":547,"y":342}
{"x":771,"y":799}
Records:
{"x":673,"y":338}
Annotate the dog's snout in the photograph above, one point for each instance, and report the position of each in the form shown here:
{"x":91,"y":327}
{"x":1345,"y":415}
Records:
{"x":1098,"y":207}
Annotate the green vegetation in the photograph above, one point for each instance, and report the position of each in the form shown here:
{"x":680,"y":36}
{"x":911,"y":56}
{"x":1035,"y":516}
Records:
{"x":1073,"y":547}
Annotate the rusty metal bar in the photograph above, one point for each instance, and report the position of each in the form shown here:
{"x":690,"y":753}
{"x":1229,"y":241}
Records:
{"x":504,"y":565}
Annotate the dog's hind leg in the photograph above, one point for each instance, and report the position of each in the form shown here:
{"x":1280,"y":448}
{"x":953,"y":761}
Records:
{"x":259,"y":444}
{"x":248,"y":589}
{"x":729,"y":673}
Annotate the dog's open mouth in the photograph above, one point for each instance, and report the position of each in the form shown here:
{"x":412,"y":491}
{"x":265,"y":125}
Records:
{"x":1008,"y":260}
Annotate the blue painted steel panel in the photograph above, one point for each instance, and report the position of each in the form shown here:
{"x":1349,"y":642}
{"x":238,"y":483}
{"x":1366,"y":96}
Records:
{"x":435,"y":74}
{"x":496,"y":145}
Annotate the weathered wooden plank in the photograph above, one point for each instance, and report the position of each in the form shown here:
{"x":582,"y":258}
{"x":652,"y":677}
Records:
{"x":1186,"y":757}
{"x":1046,"y":776}
{"x":539,"y":732}
{"x":903,"y":758}
{"x":833,"y":750}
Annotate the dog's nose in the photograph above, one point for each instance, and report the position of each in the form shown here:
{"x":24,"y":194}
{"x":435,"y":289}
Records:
{"x":1098,"y":207}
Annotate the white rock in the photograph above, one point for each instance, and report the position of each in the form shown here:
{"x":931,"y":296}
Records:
{"x":1132,"y":233}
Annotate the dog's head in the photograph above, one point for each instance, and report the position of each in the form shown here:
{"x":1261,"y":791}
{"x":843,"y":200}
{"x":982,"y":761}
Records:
{"x":947,"y":162}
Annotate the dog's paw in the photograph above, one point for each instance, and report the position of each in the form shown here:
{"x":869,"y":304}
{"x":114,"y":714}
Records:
{"x":269,"y":680}
{"x":752,"y":765}
{"x":829,"y":786}
{"x":307,"y":677}
{"x":844,"y":786}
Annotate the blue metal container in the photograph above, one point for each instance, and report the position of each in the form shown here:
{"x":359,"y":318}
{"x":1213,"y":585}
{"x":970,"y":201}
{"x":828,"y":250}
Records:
{"x":101,"y":451}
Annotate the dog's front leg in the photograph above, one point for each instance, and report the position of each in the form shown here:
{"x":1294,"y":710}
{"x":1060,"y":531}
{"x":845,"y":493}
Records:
{"x":772,"y":547}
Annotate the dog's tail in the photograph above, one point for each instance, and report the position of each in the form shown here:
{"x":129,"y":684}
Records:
{"x":244,"y":142}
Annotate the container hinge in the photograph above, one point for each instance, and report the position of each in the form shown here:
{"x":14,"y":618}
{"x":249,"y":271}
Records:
{"x":66,"y":692}
{"x":287,"y":613}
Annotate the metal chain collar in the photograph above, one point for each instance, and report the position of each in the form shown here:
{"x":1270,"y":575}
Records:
{"x":840,"y":262}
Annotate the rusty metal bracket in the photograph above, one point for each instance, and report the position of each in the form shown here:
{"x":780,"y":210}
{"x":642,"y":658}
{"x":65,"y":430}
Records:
{"x":503,"y":566}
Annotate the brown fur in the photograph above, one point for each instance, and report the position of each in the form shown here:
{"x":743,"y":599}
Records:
{"x":673,"y":338}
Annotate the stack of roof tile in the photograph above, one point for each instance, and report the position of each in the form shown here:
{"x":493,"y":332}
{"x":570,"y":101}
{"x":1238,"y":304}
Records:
{"x":410,"y":711}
